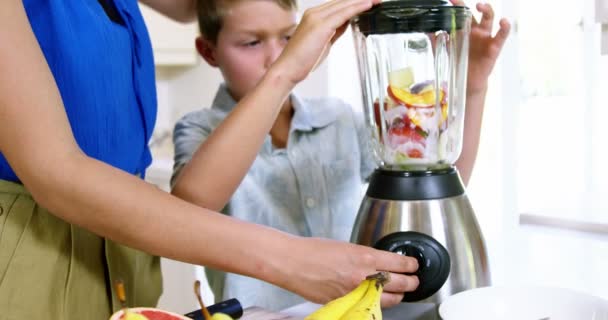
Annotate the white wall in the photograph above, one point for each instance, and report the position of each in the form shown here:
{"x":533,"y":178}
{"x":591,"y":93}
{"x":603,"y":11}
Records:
{"x":182,"y":90}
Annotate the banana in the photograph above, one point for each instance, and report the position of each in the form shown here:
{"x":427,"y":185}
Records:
{"x":369,"y":290}
{"x":334,"y":309}
{"x":368,"y":308}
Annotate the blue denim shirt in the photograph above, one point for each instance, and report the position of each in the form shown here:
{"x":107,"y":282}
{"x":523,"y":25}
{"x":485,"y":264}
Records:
{"x":313,"y":187}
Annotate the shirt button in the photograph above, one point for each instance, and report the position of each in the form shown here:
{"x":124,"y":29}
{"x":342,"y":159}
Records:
{"x":310,"y":202}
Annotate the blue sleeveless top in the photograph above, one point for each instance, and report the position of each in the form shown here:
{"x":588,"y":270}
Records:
{"x":103,"y":65}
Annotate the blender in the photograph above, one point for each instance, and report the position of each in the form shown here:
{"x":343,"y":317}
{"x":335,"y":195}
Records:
{"x":413,"y":58}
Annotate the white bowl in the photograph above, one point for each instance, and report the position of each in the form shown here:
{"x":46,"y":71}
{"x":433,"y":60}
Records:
{"x":523,"y":303}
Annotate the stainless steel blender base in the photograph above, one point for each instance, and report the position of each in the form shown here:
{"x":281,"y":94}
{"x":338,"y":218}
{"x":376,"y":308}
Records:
{"x":450,"y":221}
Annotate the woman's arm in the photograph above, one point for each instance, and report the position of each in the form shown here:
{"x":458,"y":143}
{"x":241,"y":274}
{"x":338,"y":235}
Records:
{"x":178,"y":10}
{"x":36,"y":139}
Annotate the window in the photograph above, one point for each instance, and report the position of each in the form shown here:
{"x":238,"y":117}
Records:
{"x":558,"y":125}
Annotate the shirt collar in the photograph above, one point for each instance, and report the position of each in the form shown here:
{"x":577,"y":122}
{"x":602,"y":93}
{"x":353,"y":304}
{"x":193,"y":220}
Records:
{"x":309,"y":114}
{"x":312,"y":113}
{"x":223,"y":100}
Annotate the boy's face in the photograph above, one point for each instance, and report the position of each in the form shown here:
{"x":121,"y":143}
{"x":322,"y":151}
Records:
{"x":253,"y":35}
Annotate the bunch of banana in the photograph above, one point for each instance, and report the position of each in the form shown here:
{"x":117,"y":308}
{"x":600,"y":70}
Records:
{"x":363,"y":303}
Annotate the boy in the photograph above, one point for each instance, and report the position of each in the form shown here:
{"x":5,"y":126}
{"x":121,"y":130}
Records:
{"x":306,"y":179}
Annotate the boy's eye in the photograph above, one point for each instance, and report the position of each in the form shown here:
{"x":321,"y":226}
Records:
{"x":251,"y":43}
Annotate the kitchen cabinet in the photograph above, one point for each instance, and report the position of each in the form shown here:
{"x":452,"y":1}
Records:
{"x":173,"y":42}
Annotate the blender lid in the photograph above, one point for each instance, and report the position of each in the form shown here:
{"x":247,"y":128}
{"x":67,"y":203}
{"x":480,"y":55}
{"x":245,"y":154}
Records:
{"x":401,"y":16}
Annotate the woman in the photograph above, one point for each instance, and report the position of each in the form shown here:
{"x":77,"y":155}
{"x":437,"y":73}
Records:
{"x":77,"y":107}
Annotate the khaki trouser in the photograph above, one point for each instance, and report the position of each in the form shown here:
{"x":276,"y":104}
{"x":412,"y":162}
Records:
{"x":50,"y":269}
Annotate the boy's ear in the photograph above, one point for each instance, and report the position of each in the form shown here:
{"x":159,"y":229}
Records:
{"x":206,"y":50}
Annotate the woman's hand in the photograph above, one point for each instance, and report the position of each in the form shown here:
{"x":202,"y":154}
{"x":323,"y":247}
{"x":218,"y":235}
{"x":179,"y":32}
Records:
{"x":484,"y":48}
{"x":319,"y":28}
{"x":321,"y":270}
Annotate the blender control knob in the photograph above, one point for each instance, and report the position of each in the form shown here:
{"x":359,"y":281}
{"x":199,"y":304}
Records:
{"x":433,"y":260}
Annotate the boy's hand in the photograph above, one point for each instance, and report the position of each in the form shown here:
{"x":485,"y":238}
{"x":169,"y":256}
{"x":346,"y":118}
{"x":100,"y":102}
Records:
{"x":319,"y":28}
{"x":484,"y":48}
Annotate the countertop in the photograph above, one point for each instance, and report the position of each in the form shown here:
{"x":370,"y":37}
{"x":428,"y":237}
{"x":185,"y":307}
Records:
{"x":533,"y":255}
{"x":256,"y":313}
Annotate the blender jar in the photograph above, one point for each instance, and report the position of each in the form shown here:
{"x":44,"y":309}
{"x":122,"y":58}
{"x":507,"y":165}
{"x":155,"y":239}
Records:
{"x":413,"y":57}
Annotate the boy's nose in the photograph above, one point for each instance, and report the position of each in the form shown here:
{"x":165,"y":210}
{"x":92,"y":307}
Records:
{"x":274,"y":50}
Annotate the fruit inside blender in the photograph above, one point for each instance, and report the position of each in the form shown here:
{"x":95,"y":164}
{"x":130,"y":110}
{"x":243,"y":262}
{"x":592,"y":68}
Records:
{"x":415,"y":115}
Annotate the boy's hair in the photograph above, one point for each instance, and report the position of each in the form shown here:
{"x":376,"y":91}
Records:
{"x":211,"y":13}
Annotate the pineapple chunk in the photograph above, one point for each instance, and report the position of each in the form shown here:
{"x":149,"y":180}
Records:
{"x":401,"y":78}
